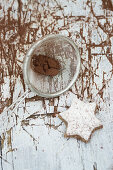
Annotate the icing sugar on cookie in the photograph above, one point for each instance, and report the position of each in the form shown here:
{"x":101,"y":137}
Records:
{"x":80,"y":120}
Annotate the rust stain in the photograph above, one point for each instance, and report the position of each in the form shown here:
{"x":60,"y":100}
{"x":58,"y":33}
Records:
{"x":55,"y":111}
{"x":2,"y":140}
{"x":33,"y":99}
{"x":9,"y":142}
{"x":108,"y":4}
{"x":11,"y":150}
{"x":53,"y":126}
{"x":37,"y":115}
{"x":101,"y":91}
{"x":25,"y":123}
{"x":88,"y":73}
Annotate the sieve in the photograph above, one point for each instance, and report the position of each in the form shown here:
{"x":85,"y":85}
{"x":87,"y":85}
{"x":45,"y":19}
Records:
{"x":62,"y":49}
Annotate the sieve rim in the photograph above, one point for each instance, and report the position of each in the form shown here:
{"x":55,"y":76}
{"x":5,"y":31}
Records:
{"x":27,"y":60}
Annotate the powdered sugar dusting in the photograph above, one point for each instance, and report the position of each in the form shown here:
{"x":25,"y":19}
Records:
{"x":80,"y":119}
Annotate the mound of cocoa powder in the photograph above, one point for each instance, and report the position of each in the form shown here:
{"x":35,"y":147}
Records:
{"x":45,"y":65}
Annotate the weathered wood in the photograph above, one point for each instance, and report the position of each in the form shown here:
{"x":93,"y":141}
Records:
{"x":36,"y":138}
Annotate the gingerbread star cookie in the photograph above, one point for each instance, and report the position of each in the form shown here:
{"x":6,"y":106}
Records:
{"x":80,"y":120}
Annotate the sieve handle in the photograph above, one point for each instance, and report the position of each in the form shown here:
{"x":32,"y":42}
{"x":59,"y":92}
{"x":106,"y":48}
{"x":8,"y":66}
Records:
{"x":19,"y":100}
{"x":9,"y":112}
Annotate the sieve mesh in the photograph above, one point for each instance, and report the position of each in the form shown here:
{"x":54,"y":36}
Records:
{"x":62,"y":49}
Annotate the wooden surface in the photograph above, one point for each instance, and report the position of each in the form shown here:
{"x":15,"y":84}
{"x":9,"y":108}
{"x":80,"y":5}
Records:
{"x":32,"y":138}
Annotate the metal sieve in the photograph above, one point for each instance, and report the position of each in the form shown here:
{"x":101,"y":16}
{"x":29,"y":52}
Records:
{"x":66,"y":52}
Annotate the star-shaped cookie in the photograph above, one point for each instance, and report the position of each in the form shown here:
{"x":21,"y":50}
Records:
{"x":80,"y":120}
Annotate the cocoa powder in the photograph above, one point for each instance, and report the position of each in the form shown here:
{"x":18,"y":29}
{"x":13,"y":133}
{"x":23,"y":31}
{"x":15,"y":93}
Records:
{"x":45,"y":65}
